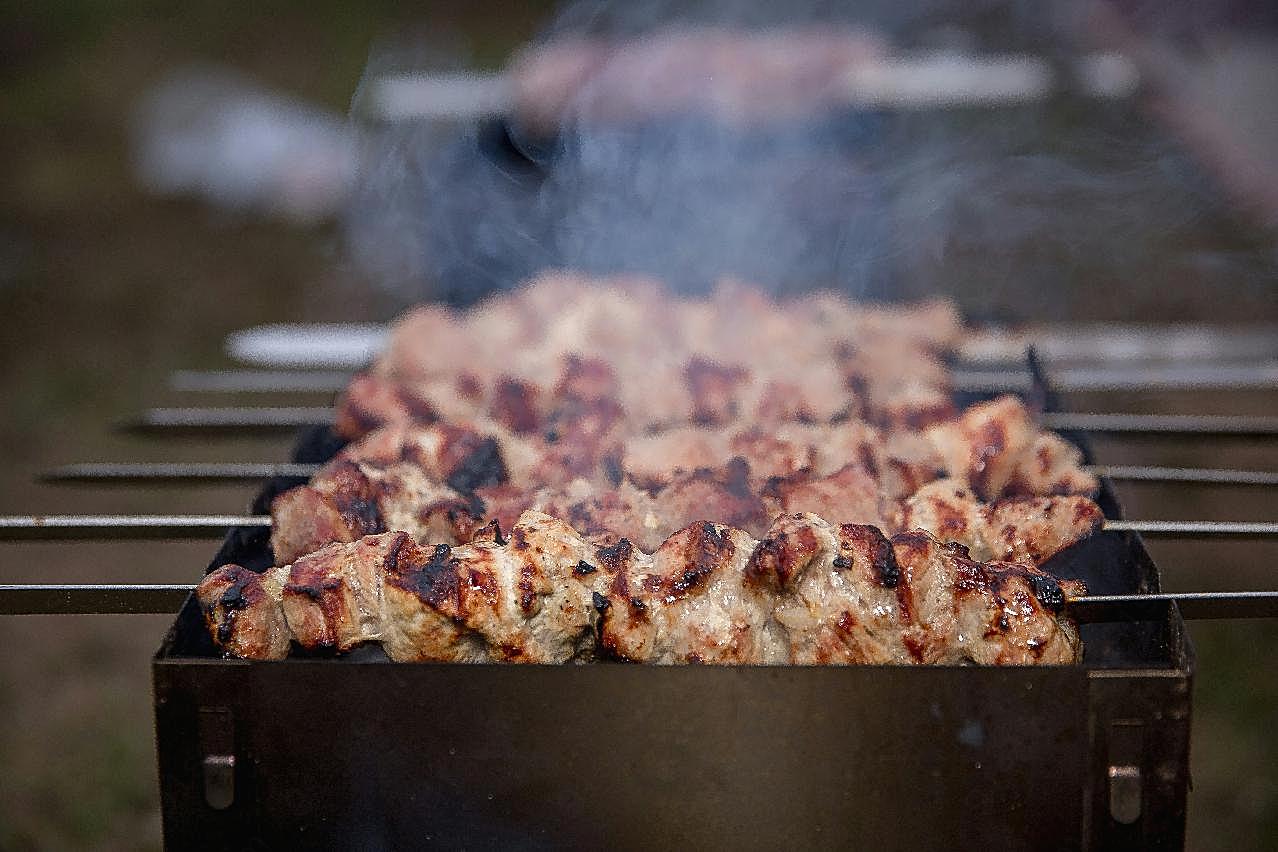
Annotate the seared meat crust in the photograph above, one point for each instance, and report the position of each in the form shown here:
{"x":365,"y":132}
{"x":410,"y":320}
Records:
{"x":442,"y":482}
{"x":807,"y":592}
{"x":1016,"y":529}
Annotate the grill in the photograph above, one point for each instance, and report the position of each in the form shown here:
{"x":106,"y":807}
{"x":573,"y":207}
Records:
{"x":314,"y":752}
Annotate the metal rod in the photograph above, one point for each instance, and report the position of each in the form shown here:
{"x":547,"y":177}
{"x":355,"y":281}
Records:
{"x":1102,"y":377}
{"x":52,"y":599}
{"x":177,"y":473}
{"x":252,"y":419}
{"x":260,"y":381}
{"x":1193,"y":605}
{"x":60,"y":527}
{"x":1108,"y":377}
{"x":235,"y":420}
{"x":1196,"y":529}
{"x":1162,"y":424}
{"x":173,"y":473}
{"x":353,"y":345}
{"x":128,"y":527}
{"x":1202,"y":475}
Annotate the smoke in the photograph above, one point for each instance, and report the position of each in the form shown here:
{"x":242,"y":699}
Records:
{"x":1023,"y":209}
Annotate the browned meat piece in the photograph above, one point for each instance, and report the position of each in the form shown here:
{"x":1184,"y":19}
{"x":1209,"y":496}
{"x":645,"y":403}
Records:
{"x":907,"y":462}
{"x":991,"y":613}
{"x":647,"y":518}
{"x":428,"y":342}
{"x":603,"y":515}
{"x":1034,"y":529}
{"x":372,"y":401}
{"x":1052,"y":466}
{"x":528,"y":598}
{"x":242,"y":611}
{"x":650,"y":460}
{"x":848,"y":595}
{"x":460,"y":457}
{"x":332,"y":598}
{"x":1014,"y":529}
{"x":912,"y":407}
{"x":899,"y":383}
{"x":838,"y":591}
{"x":723,"y":494}
{"x":997,"y":449}
{"x":900,"y":463}
{"x":689,"y":602}
{"x":714,"y":388}
{"x":505,"y":503}
{"x":849,"y":495}
{"x":339,"y":504}
{"x":984,"y":446}
{"x":585,"y":380}
{"x":347,"y":500}
{"x":424,"y":592}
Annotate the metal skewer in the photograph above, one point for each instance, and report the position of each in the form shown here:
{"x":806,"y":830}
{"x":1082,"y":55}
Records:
{"x":1196,"y":475}
{"x":167,"y":598}
{"x":1103,"y":377}
{"x":1162,"y":424}
{"x":176,"y":473}
{"x":173,"y":473}
{"x":350,"y":346}
{"x":1193,"y":605}
{"x":233,"y":420}
{"x":1195,"y":529}
{"x":124,"y":527}
{"x":260,"y":381}
{"x":1110,"y":377}
{"x":128,"y":527}
{"x":263,"y":419}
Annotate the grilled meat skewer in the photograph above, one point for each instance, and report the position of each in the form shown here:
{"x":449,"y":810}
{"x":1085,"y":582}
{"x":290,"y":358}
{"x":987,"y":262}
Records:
{"x":657,"y":361}
{"x":809,"y":591}
{"x":442,"y":482}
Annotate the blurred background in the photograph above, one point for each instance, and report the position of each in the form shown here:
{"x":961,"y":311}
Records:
{"x":169,"y":176}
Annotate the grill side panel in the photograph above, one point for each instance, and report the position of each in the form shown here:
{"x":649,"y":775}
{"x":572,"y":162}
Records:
{"x":368,"y":755}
